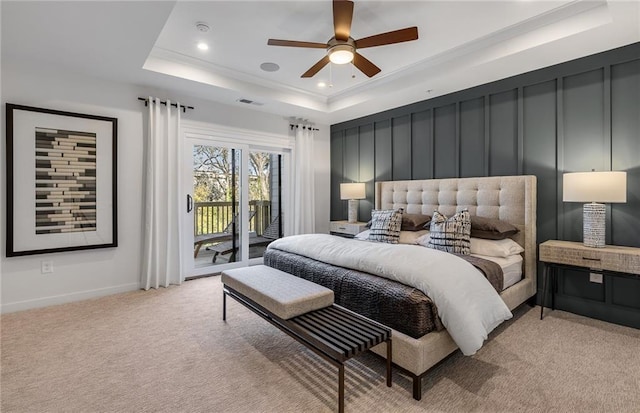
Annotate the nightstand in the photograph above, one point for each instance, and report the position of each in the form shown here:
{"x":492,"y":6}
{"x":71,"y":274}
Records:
{"x":346,"y":229}
{"x":610,"y":260}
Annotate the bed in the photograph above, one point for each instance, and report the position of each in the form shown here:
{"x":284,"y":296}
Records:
{"x":508,"y":198}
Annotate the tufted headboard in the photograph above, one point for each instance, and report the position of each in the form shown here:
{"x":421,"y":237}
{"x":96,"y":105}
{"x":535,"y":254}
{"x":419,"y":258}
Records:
{"x":509,"y":198}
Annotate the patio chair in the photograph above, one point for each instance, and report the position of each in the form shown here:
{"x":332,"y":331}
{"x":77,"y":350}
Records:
{"x":270,"y":233}
{"x":225,"y":235}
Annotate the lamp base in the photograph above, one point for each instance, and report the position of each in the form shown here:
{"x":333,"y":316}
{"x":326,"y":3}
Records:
{"x":593,"y":229}
{"x":353,"y":211}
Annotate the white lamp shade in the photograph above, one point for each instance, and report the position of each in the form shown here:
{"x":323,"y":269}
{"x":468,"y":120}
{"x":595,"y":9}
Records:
{"x":603,"y":187}
{"x":354,"y":190}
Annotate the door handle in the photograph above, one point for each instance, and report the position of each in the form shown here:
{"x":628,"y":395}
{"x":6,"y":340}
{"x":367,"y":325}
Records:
{"x":189,"y":203}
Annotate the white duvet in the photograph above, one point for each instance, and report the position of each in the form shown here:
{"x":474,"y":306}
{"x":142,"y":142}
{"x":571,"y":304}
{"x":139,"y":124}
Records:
{"x":468,"y":305}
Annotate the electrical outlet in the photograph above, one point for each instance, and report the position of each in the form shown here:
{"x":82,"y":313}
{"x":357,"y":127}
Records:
{"x":47,"y":267}
{"x":595,"y":277}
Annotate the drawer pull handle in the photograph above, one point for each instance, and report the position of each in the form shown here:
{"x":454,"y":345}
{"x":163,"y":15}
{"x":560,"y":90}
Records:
{"x":342,"y":227}
{"x":591,"y":259}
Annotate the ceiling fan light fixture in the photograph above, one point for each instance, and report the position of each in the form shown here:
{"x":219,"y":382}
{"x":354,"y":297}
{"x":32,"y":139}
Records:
{"x":341,"y":48}
{"x":341,"y":54}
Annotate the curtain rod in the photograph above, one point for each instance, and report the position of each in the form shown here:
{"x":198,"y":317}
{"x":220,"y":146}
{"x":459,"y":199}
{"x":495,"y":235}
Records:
{"x":175,"y":105}
{"x":304,"y":127}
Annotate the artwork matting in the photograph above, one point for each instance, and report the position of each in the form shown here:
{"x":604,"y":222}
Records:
{"x":61,"y":181}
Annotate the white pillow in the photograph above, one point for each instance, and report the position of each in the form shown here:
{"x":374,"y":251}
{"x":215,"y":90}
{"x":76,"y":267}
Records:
{"x":424,"y":239}
{"x":411,"y":237}
{"x":494,"y":248}
{"x":406,"y":237}
{"x":502,"y":261}
{"x":363,"y":236}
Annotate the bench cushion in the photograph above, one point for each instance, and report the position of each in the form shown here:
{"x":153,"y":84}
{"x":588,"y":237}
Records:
{"x":283,"y":294}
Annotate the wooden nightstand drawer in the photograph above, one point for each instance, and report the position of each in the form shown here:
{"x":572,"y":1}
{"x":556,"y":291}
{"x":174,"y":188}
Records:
{"x":610,"y":258}
{"x":570,"y":253}
{"x":346,"y":228}
{"x":621,"y":259}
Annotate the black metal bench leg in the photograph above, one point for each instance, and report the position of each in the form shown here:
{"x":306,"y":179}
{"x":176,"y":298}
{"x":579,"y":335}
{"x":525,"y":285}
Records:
{"x":341,"y":388}
{"x":389,"y":353}
{"x":554,"y":287}
{"x":224,"y":305}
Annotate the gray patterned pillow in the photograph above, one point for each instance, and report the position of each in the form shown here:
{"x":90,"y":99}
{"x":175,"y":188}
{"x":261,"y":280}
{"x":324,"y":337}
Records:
{"x":385,"y":225}
{"x":452,"y":234}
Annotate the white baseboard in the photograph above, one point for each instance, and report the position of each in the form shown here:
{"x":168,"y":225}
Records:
{"x":67,"y":298}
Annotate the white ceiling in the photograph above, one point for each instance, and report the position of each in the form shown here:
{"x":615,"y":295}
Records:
{"x":461,"y":44}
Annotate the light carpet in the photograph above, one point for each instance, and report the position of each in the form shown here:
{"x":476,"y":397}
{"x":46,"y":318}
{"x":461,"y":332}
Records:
{"x":168,"y":350}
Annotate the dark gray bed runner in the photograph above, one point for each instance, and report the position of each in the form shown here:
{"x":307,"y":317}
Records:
{"x":396,"y":305}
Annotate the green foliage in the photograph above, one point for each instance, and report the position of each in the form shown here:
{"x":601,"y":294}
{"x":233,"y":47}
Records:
{"x":213,"y":174}
{"x":213,"y":171}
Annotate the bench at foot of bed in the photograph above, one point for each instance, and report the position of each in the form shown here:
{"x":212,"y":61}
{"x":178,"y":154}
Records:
{"x":305,"y":311}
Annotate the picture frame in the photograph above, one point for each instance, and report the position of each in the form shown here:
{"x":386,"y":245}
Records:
{"x":61,"y":170}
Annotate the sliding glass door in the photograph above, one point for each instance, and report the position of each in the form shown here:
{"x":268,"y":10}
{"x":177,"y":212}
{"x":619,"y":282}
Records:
{"x":233,"y":204}
{"x":216,"y":199}
{"x":265,"y":200}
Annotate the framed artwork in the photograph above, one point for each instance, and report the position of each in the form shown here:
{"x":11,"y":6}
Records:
{"x":61,"y":181}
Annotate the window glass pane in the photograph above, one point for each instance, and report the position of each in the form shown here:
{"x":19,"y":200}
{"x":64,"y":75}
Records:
{"x":264,"y":201}
{"x":217,"y":200}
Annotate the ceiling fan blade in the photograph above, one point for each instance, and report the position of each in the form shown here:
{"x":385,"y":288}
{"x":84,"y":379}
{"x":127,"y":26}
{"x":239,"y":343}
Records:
{"x":294,"y":43}
{"x":365,"y":65}
{"x":316,"y":68}
{"x":342,"y":17}
{"x":396,"y":36}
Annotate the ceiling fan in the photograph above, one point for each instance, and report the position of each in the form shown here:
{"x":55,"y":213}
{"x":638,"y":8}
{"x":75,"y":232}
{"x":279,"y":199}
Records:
{"x":342,"y":48}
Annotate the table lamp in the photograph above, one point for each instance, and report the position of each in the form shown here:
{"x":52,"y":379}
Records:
{"x":353,"y":192}
{"x":595,"y":188}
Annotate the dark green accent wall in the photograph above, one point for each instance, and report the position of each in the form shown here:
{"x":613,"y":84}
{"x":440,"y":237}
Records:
{"x":575,"y":116}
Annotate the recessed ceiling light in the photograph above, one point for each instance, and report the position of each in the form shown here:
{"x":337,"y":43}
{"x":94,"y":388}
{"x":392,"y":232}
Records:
{"x":322,"y":84}
{"x":203,"y":46}
{"x":269,"y":67}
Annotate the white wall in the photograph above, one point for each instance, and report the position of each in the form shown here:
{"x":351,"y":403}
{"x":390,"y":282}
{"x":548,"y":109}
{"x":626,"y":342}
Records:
{"x":85,"y":274}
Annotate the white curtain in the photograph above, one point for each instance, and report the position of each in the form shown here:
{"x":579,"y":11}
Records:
{"x":162,"y":256}
{"x":303,"y":182}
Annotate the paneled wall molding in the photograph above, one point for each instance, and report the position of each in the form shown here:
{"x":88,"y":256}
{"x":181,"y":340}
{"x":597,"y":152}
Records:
{"x":606,"y":137}
{"x":559,"y":154}
{"x":575,"y":116}
{"x":428,"y":139}
{"x":520,"y":144}
{"x":619,"y":55}
{"x":487,"y":133}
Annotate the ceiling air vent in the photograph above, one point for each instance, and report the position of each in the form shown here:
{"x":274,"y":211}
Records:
{"x":249,"y":102}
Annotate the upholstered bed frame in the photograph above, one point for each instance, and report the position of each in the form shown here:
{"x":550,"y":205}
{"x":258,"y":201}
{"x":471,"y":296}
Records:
{"x":509,"y":198}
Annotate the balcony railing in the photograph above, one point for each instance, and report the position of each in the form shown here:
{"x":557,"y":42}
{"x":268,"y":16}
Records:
{"x":214,"y":217}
